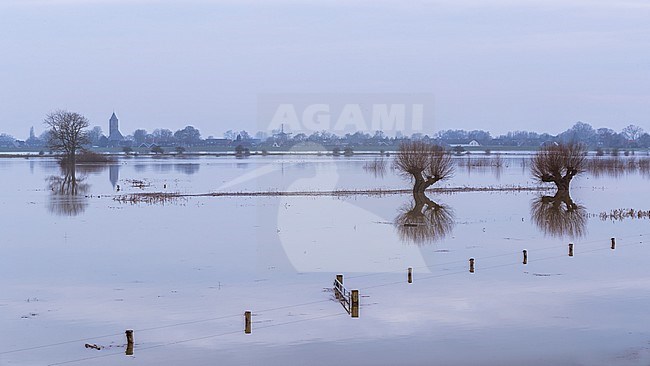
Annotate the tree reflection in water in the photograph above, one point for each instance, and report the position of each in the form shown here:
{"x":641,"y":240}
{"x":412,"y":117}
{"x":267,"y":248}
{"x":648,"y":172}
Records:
{"x":423,"y":221}
{"x":67,"y":193}
{"x":559,"y":216}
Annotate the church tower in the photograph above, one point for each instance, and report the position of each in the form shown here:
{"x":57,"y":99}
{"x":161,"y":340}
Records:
{"x":114,"y":129}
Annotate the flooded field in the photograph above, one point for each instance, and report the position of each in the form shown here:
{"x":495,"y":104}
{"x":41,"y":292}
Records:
{"x":79,"y":267}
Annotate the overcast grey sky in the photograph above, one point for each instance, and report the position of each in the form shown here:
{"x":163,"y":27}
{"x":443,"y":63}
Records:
{"x":496,"y":65}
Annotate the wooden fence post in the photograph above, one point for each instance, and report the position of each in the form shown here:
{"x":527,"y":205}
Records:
{"x":129,"y":342}
{"x":339,"y":277}
{"x":570,"y":249}
{"x":613,"y":243}
{"x":354,"y":303}
{"x":247,"y":317}
{"x":410,"y":274}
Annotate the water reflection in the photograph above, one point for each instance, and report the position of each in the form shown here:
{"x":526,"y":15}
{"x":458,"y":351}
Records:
{"x":140,"y":168}
{"x":559,"y":215}
{"x":187,"y":168}
{"x":114,"y":174}
{"x":423,"y":221}
{"x":67,"y":193}
{"x":162,"y":168}
{"x":376,"y":167}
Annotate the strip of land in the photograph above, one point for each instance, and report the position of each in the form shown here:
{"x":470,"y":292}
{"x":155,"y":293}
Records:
{"x":161,"y":197}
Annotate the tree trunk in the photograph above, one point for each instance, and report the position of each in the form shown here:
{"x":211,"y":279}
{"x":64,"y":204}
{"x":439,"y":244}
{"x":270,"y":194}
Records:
{"x":422,"y":184}
{"x":563,"y":183}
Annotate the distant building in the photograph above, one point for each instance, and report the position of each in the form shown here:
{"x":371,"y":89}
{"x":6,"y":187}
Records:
{"x":146,"y":145}
{"x":33,"y":141}
{"x":463,"y":143}
{"x":114,"y":134}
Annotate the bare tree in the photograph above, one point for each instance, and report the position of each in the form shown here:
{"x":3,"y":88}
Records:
{"x":67,"y":133}
{"x":559,"y":163}
{"x":632,"y":132}
{"x":426,"y":164}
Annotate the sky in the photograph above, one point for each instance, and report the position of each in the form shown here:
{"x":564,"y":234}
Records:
{"x":495,"y":65}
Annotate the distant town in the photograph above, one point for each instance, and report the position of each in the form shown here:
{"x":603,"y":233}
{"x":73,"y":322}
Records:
{"x":189,"y":138}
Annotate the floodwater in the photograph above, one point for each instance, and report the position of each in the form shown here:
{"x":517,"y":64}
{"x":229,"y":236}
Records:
{"x":78,"y":267}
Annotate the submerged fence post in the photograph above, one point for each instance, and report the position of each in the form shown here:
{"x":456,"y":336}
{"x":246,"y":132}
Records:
{"x":525,"y":256}
{"x":339,"y":278}
{"x":354,"y":303}
{"x":471,"y":265}
{"x":410,"y":274}
{"x":613,"y":243}
{"x":247,"y":317}
{"x":129,"y":342}
{"x":570,"y":249}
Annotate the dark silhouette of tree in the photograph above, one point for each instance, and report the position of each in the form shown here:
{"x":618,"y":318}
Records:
{"x":559,"y":163}
{"x":580,"y":131}
{"x":559,"y":216}
{"x":162,"y":136}
{"x":424,"y":221}
{"x":66,"y":133}
{"x":241,"y":151}
{"x":424,"y":163}
{"x":95,"y":134}
{"x":632,"y":132}
{"x":139,"y":136}
{"x":188,"y":136}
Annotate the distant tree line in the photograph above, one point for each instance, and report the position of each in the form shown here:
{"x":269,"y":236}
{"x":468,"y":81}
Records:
{"x":631,"y":136}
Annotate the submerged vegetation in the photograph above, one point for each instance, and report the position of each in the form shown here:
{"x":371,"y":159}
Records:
{"x":622,"y":214}
{"x":495,"y":161}
{"x":616,"y":166}
{"x":86,"y":157}
{"x":151,"y":198}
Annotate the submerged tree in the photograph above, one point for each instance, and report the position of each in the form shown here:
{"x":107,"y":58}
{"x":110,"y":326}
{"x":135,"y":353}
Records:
{"x":426,"y":164}
{"x":559,"y":163}
{"x":66,"y":133}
